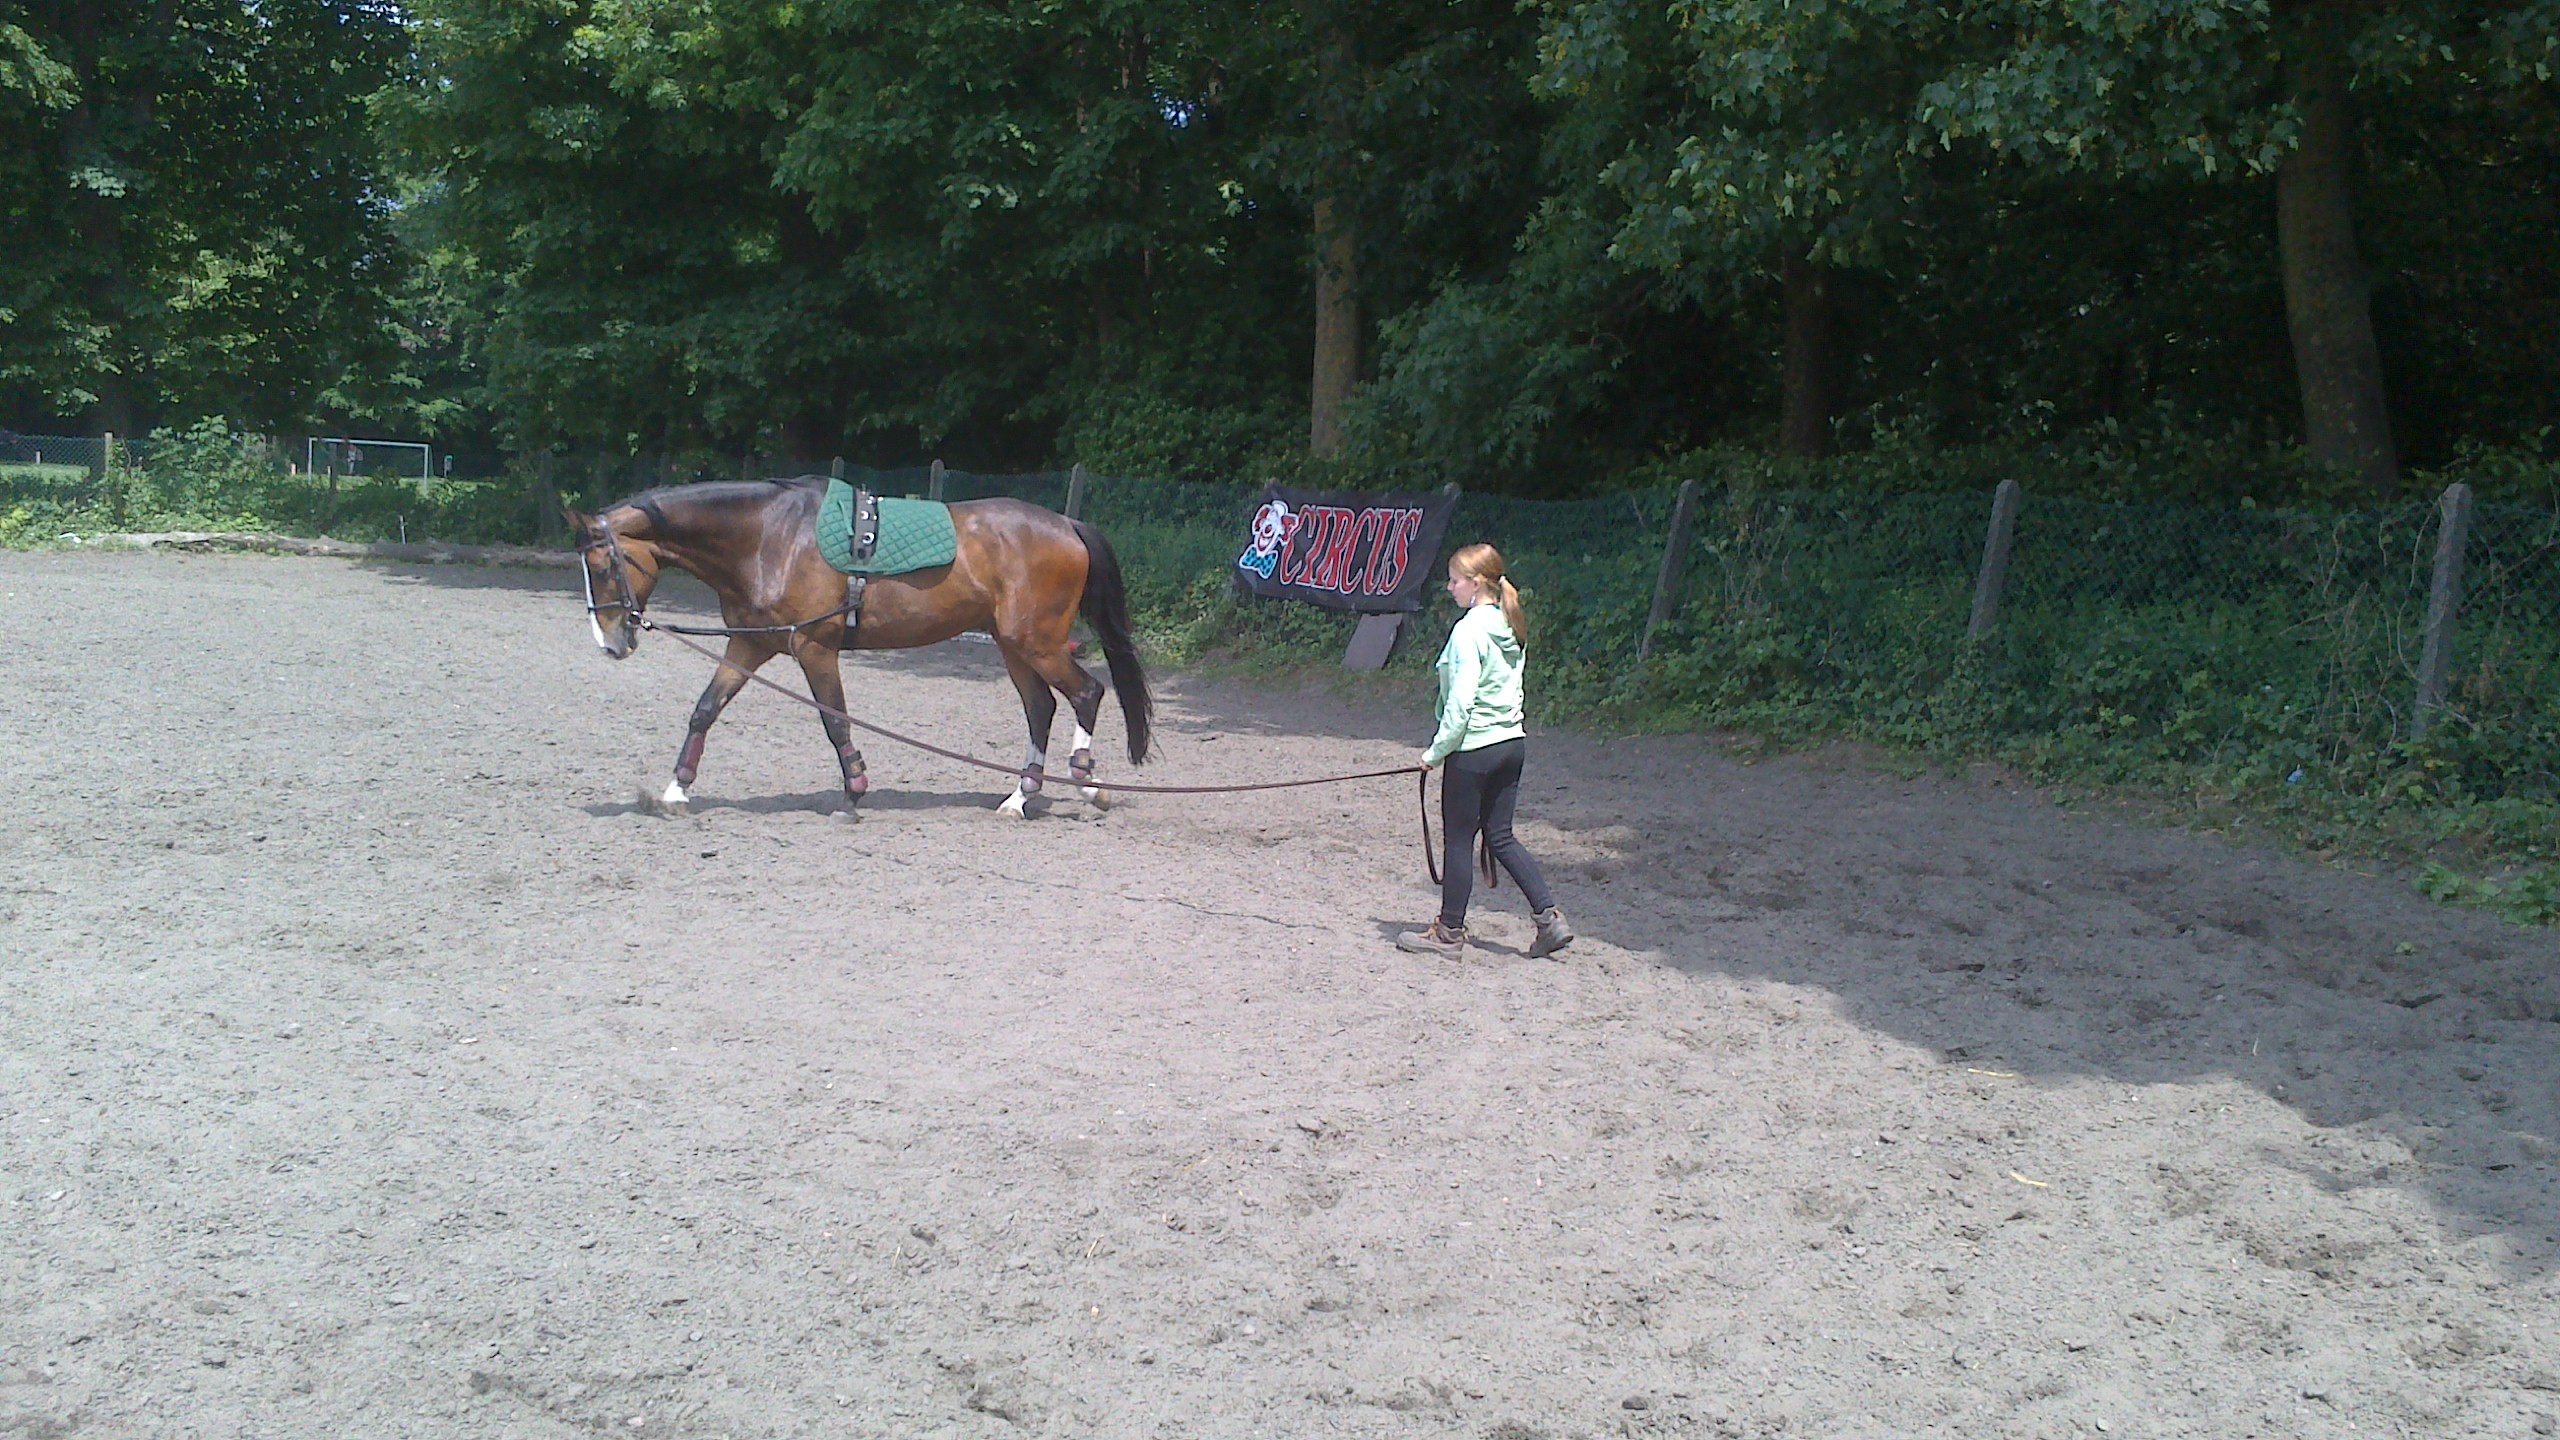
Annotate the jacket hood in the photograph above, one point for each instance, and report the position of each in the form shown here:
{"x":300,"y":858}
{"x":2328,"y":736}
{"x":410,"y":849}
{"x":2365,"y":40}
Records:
{"x":1497,"y":627}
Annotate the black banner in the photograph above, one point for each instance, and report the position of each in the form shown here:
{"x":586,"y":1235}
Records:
{"x":1351,"y":552}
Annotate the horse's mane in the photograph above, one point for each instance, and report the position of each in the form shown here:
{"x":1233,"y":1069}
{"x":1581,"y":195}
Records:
{"x":711,"y":493}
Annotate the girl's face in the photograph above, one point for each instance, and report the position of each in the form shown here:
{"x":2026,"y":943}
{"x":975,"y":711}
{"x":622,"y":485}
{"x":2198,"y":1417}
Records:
{"x":1465,"y":589}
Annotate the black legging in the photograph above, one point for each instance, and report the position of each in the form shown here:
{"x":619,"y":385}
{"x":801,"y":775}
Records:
{"x":1478,"y":791}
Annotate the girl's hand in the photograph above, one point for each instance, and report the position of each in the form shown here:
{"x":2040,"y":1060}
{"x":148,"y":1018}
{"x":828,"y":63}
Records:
{"x":1427,"y":762}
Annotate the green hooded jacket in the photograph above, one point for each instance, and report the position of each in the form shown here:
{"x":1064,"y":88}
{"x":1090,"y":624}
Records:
{"x":1479,"y":684}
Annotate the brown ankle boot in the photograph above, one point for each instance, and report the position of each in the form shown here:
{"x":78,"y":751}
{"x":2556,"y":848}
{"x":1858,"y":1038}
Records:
{"x":1439,"y":940}
{"x":1553,"y":933}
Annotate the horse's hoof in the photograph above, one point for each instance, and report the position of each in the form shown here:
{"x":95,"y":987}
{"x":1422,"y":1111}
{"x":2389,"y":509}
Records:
{"x":1016,"y":806}
{"x":846,"y":816}
{"x":663,"y":805}
{"x":1098,"y":799}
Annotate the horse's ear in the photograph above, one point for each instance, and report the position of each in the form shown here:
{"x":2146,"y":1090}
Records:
{"x":578,"y":521}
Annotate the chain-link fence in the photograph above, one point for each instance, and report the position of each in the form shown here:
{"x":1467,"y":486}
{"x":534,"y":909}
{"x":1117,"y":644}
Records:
{"x":207,"y":477}
{"x":66,"y":459}
{"x":2280,"y":645}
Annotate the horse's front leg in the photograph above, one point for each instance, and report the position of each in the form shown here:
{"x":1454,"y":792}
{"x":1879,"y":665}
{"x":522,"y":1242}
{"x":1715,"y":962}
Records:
{"x":743,"y":656}
{"x":1039,"y":713}
{"x":823,"y":665}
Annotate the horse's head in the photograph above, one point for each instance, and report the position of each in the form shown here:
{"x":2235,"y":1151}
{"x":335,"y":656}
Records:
{"x":620,"y":571}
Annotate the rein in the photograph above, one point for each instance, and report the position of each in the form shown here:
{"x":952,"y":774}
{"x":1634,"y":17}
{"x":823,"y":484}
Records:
{"x":1023,"y":772}
{"x":798,"y":625}
{"x":1431,"y":852}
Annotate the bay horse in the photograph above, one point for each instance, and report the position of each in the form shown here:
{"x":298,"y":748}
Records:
{"x":1020,"y":572}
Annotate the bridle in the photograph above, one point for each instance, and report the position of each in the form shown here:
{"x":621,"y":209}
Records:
{"x":620,"y":567}
{"x":611,"y":544}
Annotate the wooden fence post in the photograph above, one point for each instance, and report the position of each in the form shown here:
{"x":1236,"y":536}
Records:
{"x":933,"y":485}
{"x":1075,"y":492}
{"x":1375,"y":638}
{"x":2444,"y":602}
{"x":1994,"y":574}
{"x":107,"y":486}
{"x":1675,"y":556}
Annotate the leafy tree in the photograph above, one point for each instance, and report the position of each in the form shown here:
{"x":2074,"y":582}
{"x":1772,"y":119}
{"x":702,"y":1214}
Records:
{"x":911,"y":222}
{"x":1842,"y":134}
{"x":684,"y":224}
{"x":191,"y":193}
{"x":1755,"y":137}
{"x":2243,"y":90}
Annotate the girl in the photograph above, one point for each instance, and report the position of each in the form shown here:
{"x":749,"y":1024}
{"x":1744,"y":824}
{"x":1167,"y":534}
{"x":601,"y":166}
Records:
{"x":1482,"y":741}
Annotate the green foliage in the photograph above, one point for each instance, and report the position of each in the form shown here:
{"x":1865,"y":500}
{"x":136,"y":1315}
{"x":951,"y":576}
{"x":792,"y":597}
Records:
{"x":1130,"y":430}
{"x":193,"y":206}
{"x":2530,"y":897}
{"x":998,"y":235}
{"x":211,"y":478}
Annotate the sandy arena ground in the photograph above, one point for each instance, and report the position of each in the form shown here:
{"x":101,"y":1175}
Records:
{"x":372,"y":1065}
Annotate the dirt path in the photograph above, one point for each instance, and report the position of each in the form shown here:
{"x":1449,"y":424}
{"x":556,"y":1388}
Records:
{"x":370,"y":1065}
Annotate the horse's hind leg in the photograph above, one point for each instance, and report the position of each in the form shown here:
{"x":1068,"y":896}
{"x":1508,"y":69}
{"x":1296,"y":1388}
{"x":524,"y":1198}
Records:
{"x":1083,"y":692}
{"x":741,"y":661}
{"x":822,"y":664}
{"x":1039,"y":712}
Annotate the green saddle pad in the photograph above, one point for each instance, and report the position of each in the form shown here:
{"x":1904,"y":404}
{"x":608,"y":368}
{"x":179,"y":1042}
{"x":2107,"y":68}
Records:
{"x":914,"y":534}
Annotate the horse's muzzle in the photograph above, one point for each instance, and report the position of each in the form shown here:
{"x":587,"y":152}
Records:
{"x":618,"y":642}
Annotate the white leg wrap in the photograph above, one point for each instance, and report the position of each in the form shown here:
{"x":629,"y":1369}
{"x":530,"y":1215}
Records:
{"x":675,"y":794}
{"x":1083,"y":746}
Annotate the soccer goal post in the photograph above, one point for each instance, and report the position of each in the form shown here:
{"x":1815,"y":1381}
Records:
{"x":341,"y":455}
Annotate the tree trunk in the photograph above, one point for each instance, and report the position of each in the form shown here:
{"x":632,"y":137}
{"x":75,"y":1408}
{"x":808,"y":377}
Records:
{"x":1106,"y":328}
{"x":101,"y":227}
{"x":2345,"y":418}
{"x":1809,"y":393}
{"x":811,"y":435}
{"x":1337,"y":326}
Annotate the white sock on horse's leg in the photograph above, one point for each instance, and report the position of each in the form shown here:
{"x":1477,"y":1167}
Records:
{"x":1084,"y":747}
{"x":1034,"y":758}
{"x":675,"y":793}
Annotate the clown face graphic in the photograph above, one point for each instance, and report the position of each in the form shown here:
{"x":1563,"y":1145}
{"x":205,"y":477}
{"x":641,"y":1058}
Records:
{"x":1273,"y":524}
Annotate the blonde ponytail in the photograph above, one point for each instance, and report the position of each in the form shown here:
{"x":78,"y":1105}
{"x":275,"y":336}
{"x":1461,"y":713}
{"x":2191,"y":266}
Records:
{"x":1483,"y":564}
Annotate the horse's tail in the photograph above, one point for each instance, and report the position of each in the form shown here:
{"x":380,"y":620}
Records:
{"x":1106,"y":609}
